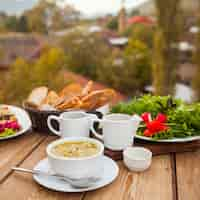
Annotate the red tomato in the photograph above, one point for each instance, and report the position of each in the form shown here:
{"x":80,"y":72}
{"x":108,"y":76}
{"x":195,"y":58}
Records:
{"x":147,"y":133}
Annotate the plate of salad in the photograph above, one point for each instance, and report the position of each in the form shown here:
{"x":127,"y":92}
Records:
{"x":14,"y":121}
{"x":165,"y":119}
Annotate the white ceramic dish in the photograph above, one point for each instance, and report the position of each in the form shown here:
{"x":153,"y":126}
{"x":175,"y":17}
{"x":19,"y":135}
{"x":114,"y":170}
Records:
{"x":137,"y":158}
{"x":76,"y":167}
{"x":109,"y":174}
{"x":174,"y":140}
{"x":23,"y":119}
{"x":118,"y":130}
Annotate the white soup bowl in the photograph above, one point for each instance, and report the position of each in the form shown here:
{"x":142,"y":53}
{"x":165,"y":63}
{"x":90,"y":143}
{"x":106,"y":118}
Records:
{"x":76,"y":167}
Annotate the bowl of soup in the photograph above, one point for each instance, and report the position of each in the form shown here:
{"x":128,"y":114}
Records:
{"x":76,"y":157}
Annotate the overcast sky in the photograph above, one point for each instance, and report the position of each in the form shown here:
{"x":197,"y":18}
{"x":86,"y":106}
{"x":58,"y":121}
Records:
{"x":88,"y":7}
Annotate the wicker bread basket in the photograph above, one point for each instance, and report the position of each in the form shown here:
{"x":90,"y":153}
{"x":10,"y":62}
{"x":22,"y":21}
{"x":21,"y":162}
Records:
{"x":39,"y":118}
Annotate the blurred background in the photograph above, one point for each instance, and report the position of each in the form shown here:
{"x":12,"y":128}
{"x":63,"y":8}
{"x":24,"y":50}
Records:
{"x":133,"y":46}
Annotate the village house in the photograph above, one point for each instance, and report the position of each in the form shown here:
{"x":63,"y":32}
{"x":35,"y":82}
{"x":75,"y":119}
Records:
{"x":16,"y":45}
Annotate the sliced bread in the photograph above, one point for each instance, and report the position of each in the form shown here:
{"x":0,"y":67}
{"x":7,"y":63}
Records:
{"x":38,"y":95}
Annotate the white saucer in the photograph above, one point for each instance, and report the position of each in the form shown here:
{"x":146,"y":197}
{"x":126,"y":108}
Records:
{"x":109,"y":174}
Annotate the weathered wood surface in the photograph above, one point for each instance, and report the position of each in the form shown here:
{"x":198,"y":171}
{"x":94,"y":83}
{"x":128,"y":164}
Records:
{"x":139,"y":186}
{"x":21,"y":186}
{"x":171,"y":177}
{"x":188,"y":175}
{"x":15,"y":150}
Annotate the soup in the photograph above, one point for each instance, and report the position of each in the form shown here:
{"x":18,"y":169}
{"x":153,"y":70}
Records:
{"x":76,"y":149}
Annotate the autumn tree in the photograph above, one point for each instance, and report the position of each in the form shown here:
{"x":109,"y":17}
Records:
{"x":83,"y":56}
{"x":166,"y":38}
{"x":24,"y":76}
{"x":132,"y":74}
{"x":39,"y":16}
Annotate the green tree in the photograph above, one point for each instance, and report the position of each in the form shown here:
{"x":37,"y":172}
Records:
{"x":113,"y":24}
{"x":24,"y":76}
{"x":11,"y":23}
{"x":133,"y":74}
{"x":48,"y":69}
{"x":22,"y":24}
{"x":3,"y":18}
{"x":138,"y":59}
{"x":18,"y":82}
{"x":83,"y":56}
{"x":168,"y":33}
{"x":141,"y":32}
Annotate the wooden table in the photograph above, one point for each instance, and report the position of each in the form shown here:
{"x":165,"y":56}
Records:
{"x":171,"y":177}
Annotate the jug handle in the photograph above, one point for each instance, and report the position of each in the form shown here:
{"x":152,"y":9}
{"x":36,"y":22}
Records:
{"x":97,"y":135}
{"x":136,"y":118}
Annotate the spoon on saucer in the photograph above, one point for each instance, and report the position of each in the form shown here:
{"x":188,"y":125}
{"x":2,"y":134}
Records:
{"x":74,"y":182}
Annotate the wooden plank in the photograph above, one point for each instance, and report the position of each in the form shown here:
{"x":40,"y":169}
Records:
{"x":153,"y":184}
{"x":188,"y":175}
{"x":20,"y":186}
{"x":15,"y":150}
{"x":159,"y":148}
{"x":174,"y":178}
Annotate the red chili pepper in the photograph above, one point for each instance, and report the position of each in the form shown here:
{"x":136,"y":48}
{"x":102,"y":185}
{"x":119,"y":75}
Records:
{"x":146,"y":117}
{"x":155,"y":126}
{"x":161,"y":118}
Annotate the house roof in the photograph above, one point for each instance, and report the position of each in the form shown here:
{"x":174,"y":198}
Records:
{"x":140,"y":20}
{"x":18,"y":45}
{"x":97,"y":86}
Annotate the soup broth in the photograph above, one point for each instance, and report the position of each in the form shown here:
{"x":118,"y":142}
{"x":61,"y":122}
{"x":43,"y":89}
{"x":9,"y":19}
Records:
{"x":75,"y":149}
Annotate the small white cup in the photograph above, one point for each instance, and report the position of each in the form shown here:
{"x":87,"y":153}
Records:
{"x":73,"y":124}
{"x":137,"y":158}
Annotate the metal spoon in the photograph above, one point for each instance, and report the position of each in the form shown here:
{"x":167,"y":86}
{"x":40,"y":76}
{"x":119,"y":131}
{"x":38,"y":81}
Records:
{"x":76,"y":183}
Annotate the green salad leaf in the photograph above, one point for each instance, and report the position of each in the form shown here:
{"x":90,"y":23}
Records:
{"x":183,"y":119}
{"x":148,"y":103}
